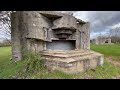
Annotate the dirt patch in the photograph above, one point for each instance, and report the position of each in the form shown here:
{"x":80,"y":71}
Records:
{"x":113,"y":60}
{"x":118,"y":77}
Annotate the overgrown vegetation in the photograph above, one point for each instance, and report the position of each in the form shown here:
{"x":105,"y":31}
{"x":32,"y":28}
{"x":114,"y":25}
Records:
{"x":32,"y":66}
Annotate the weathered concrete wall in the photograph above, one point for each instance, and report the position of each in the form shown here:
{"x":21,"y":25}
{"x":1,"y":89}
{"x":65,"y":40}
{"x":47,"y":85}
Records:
{"x":61,"y":45}
{"x":96,"y":41}
{"x":66,"y":21}
{"x":83,"y":36}
{"x":27,"y":24}
{"x":15,"y":37}
{"x":32,"y":26}
{"x":78,"y":40}
{"x":86,"y":36}
{"x":38,"y":26}
{"x":109,"y":40}
{"x":74,"y":64}
{"x":23,"y":28}
{"x":102,"y":40}
{"x":35,"y":45}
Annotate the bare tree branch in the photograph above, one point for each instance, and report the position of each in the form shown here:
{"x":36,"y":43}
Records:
{"x":5,"y":23}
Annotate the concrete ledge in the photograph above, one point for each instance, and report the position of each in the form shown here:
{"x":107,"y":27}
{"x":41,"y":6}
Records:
{"x":74,"y":64}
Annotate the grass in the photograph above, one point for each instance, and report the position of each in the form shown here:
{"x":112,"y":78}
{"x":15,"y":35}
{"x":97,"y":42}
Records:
{"x":9,"y":69}
{"x":107,"y":50}
{"x":107,"y":71}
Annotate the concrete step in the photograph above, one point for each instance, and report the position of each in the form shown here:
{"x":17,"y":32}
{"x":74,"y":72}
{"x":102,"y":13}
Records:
{"x":63,"y":52}
{"x":71,"y":54}
{"x":73,"y":58}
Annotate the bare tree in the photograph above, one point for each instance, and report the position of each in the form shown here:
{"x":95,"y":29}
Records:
{"x":5,"y":24}
{"x":114,"y":34}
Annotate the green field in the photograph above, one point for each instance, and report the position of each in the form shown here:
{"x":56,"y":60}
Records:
{"x":8,"y":69}
{"x":107,"y":50}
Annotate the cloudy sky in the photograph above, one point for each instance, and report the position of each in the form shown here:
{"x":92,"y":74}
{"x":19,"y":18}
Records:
{"x":3,"y":34}
{"x":101,"y":21}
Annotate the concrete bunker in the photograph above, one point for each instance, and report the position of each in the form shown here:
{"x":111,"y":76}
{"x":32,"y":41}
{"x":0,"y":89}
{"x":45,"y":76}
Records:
{"x":102,"y":40}
{"x":63,"y":40}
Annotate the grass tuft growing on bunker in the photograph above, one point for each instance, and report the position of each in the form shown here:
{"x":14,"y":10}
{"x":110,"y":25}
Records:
{"x":33,"y":63}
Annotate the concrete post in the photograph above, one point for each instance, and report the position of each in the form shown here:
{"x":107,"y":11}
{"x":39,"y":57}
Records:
{"x":15,"y":37}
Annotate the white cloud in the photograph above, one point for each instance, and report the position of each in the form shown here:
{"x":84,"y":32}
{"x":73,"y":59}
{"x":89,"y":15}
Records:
{"x":115,"y":26}
{"x":82,"y":15}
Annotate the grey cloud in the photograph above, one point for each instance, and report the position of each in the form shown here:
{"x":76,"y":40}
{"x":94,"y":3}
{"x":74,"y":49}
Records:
{"x":101,"y":20}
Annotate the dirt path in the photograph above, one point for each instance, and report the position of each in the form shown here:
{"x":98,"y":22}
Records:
{"x":115,"y":61}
